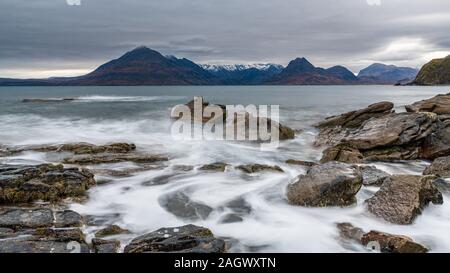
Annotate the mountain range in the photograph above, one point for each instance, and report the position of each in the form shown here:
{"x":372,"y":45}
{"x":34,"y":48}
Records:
{"x":144,"y":66}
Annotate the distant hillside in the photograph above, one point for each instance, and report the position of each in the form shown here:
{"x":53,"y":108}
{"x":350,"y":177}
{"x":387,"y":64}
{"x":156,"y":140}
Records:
{"x":435,"y":72}
{"x":386,"y":74}
{"x":301,"y":72}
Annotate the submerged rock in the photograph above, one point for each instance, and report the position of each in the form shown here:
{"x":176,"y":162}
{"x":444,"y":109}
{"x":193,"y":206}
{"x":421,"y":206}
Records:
{"x":439,"y":104}
{"x":330,"y":184}
{"x":388,"y":243}
{"x":185,"y":239}
{"x":354,"y":119}
{"x":110,"y":231}
{"x":254,"y":168}
{"x":23,"y":183}
{"x":440,"y":167}
{"x":373,"y":177}
{"x":180,"y":205}
{"x":402,"y":198}
{"x":105,"y":246}
{"x":214,"y":167}
{"x":114,"y":158}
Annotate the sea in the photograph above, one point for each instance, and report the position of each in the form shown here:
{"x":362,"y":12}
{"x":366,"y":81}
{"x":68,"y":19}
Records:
{"x":141,"y":115}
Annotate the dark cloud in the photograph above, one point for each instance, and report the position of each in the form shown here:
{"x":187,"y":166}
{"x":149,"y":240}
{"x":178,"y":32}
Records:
{"x":39,"y":37}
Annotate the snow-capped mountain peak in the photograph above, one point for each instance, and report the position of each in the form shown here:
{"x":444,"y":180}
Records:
{"x":239,"y":67}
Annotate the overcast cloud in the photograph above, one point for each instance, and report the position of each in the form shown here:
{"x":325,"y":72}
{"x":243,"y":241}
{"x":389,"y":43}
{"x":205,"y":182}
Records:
{"x":43,"y":38}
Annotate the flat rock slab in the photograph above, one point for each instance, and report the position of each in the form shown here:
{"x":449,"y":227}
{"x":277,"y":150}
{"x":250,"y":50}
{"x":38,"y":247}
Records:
{"x":26,"y":218}
{"x":330,"y":184}
{"x":402,"y":198}
{"x":439,"y":104}
{"x":185,"y":239}
{"x":354,"y":119}
{"x":392,"y":130}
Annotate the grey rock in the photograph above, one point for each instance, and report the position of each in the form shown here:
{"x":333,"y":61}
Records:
{"x":185,"y":239}
{"x":330,"y":184}
{"x":180,"y":205}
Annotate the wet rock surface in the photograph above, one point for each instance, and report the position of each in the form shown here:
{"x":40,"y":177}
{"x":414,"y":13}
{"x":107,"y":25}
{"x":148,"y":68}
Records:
{"x":403,"y":197}
{"x":330,"y":184}
{"x":373,"y":177}
{"x":185,"y":239}
{"x":27,"y":183}
{"x":342,"y":153}
{"x":255,"y":168}
{"x":105,"y":246}
{"x":440,"y":167}
{"x":111,"y":230}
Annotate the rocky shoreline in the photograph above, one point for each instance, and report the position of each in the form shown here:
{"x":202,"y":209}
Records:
{"x":34,"y":198}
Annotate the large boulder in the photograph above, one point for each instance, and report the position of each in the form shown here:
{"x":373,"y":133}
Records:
{"x":439,"y":104}
{"x":23,"y":183}
{"x":330,"y":184}
{"x":402,"y":198}
{"x":354,"y":119}
{"x":244,"y":117}
{"x":185,"y":239}
{"x":440,"y":167}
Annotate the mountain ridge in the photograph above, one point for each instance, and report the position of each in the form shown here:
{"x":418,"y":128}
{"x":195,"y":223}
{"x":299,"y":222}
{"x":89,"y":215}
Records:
{"x":145,"y":66}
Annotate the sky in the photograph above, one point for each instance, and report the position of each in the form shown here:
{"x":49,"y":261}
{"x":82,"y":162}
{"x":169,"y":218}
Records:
{"x":43,"y":38}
